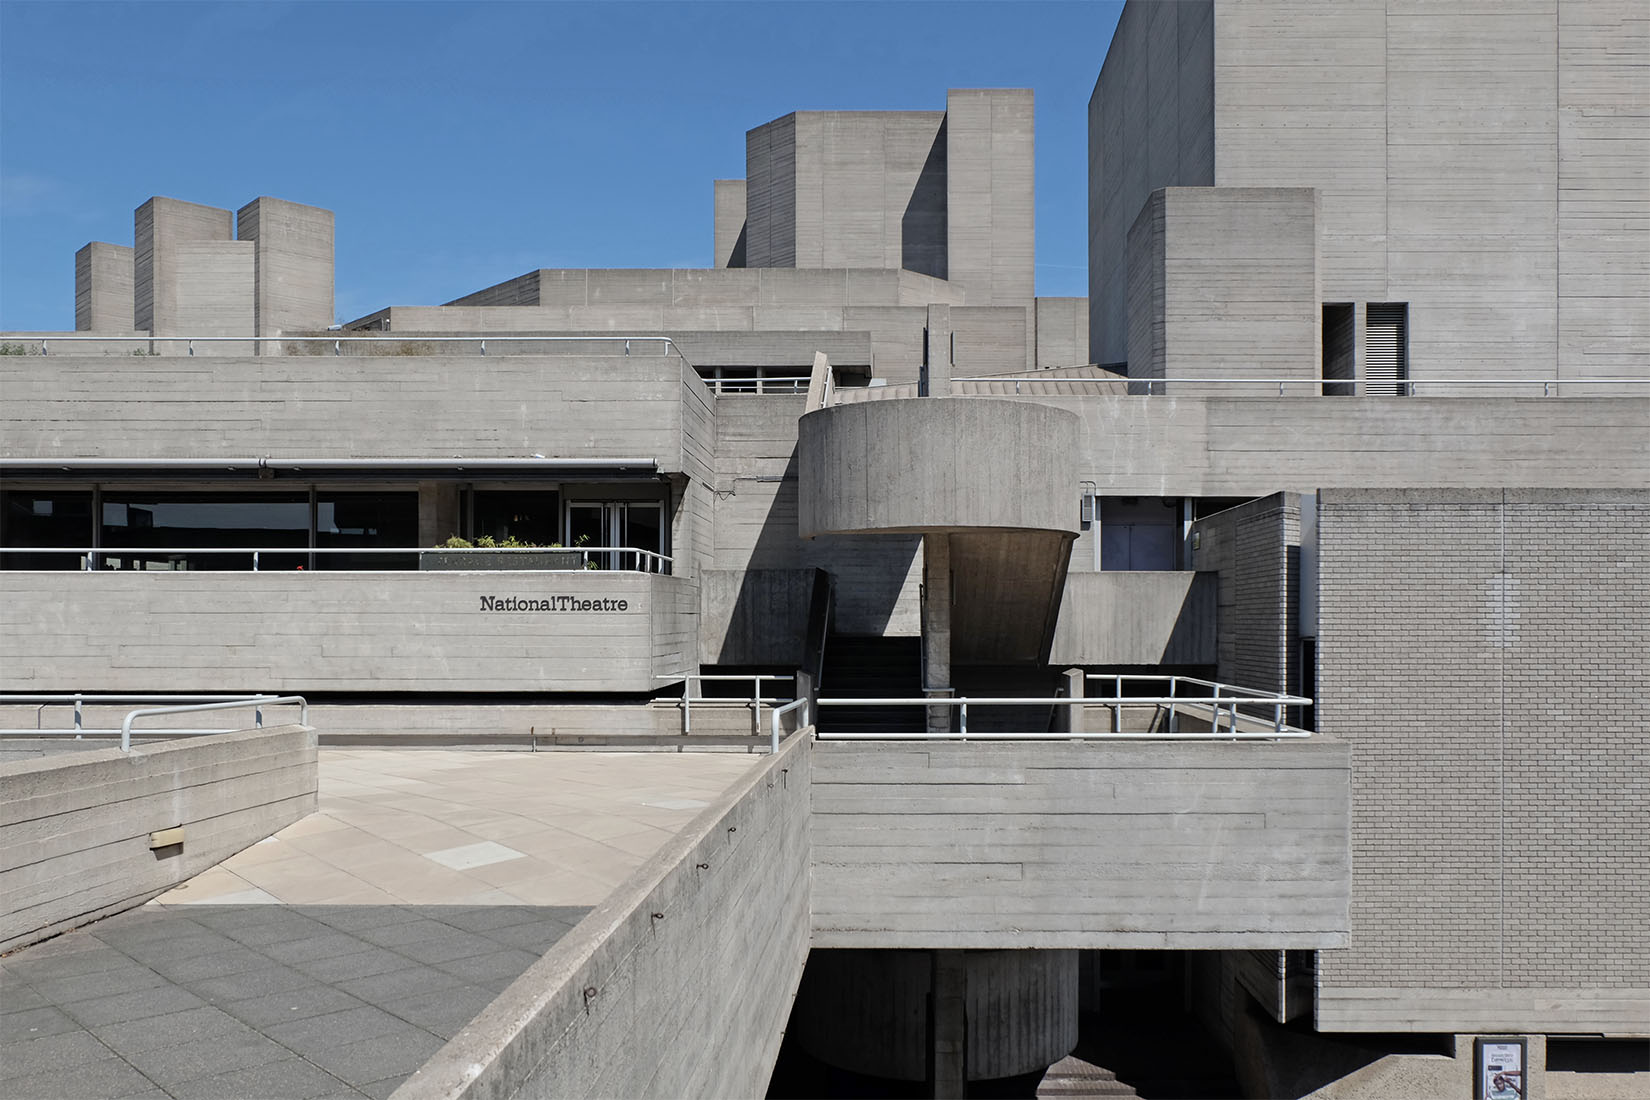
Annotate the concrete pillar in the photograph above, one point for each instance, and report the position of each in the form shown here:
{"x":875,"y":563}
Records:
{"x":936,"y":360}
{"x":1076,"y":688}
{"x":936,"y":627}
{"x":948,"y":1016}
{"x":437,"y":512}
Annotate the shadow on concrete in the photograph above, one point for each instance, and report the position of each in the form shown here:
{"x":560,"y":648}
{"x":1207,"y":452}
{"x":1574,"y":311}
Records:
{"x":925,"y":223}
{"x":770,"y":604}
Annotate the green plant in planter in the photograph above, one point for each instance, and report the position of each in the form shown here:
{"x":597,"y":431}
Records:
{"x":488,"y":542}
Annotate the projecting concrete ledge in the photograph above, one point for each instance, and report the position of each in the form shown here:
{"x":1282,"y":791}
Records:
{"x":938,"y":464}
{"x":1161,"y":845}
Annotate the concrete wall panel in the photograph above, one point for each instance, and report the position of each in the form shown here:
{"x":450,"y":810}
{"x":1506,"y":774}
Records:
{"x":74,"y":836}
{"x":350,"y":406}
{"x":1103,"y":845}
{"x":1062,"y":327}
{"x":1136,"y":619}
{"x":318,"y":631}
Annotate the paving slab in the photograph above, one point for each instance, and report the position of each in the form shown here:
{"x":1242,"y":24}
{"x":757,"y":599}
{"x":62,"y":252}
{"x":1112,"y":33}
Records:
{"x":334,"y":958}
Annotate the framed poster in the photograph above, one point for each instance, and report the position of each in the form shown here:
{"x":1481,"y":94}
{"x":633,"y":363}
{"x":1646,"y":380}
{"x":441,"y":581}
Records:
{"x":1498,"y":1067}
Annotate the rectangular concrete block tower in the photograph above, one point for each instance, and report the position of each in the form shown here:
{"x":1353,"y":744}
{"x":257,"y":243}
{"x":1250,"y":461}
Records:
{"x":160,"y":229}
{"x":990,"y":194}
{"x":292,"y":265}
{"x":848,"y":189}
{"x":103,"y":288}
{"x":729,"y":247}
{"x":1223,"y":283}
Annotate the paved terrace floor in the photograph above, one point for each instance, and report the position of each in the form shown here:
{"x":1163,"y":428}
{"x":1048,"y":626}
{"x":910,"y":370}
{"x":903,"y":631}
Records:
{"x":334,"y":958}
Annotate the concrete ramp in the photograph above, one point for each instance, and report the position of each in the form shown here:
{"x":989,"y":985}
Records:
{"x":678,"y":984}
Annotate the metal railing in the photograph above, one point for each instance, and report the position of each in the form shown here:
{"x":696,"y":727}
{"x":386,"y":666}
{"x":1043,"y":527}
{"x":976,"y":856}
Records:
{"x":1411,"y":387}
{"x":759,"y":384}
{"x":187,"y":704}
{"x":779,"y":717}
{"x":257,"y":716}
{"x":640,"y":561}
{"x":667,"y":345}
{"x":1230,"y":694}
{"x":755,"y":699}
{"x":1220,"y":697}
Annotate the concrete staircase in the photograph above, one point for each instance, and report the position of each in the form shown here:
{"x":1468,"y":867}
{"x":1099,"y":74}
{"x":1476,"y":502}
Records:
{"x":1071,"y":1078}
{"x":870,"y":668}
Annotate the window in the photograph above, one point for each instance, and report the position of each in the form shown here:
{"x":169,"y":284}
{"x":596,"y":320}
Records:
{"x":365,"y":520}
{"x":46,"y":517}
{"x":172,"y":530}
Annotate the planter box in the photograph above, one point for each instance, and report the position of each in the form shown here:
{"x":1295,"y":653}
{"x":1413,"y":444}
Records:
{"x":500,"y":559}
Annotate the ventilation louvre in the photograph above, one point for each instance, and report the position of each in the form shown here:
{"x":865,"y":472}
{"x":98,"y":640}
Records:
{"x":1386,"y":349}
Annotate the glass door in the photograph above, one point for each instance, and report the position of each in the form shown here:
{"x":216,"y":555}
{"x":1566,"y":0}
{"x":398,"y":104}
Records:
{"x":615,"y":526}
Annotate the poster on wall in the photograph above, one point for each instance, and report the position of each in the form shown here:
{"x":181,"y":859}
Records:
{"x":1500,"y":1066}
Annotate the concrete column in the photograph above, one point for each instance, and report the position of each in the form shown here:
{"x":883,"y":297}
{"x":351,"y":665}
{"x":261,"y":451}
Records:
{"x":1076,"y":688}
{"x":948,"y":1015}
{"x":936,"y":360}
{"x":437,"y":512}
{"x":936,"y":626}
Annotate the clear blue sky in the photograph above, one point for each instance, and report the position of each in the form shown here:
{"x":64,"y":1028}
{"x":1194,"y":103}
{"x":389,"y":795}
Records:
{"x":463,"y":144}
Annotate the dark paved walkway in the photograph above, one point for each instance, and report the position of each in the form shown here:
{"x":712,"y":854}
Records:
{"x":292,"y":1002}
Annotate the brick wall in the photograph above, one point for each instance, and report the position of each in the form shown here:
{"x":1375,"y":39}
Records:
{"x":1255,"y":549}
{"x":1484,"y":651}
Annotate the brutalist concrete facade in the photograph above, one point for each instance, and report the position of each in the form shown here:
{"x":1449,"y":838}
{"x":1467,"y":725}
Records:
{"x":1453,"y":571}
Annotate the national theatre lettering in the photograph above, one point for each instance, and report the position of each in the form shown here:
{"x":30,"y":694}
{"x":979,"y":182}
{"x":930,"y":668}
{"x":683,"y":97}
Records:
{"x":551,"y":603}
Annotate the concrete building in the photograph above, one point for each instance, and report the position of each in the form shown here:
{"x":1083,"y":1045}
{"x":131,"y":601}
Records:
{"x":1345,"y":462}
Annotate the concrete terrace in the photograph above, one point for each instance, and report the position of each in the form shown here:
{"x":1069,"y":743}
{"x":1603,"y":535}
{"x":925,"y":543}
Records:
{"x":335,"y":957}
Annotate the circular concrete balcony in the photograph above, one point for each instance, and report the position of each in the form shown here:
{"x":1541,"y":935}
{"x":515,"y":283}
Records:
{"x":937,"y":464}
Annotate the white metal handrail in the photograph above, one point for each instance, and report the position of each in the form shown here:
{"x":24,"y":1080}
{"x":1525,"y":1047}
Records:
{"x":647,"y":560}
{"x":257,"y":715}
{"x":756,"y":697}
{"x":668,"y":344}
{"x":80,"y":699}
{"x":1172,"y":702}
{"x":1549,"y":386}
{"x":779,"y":715}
